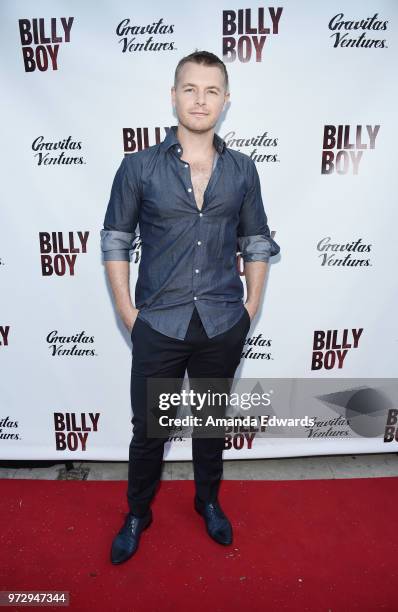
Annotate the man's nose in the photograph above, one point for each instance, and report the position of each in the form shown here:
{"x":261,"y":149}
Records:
{"x":200,"y":97}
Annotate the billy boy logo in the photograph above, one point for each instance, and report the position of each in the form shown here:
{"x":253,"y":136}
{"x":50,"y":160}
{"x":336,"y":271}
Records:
{"x":343,"y":147}
{"x":391,"y":430}
{"x":245,"y":32}
{"x":59,"y":252}
{"x":41,"y":39}
{"x":329,"y":352}
{"x":4,"y":330}
{"x":72,"y":429}
{"x":238,"y":437}
{"x":137,"y":139}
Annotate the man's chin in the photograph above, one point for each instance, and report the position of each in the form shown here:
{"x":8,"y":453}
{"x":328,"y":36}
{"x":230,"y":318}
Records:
{"x":198,"y":125}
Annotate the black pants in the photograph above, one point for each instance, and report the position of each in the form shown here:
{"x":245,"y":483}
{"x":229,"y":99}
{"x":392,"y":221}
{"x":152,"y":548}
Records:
{"x":157,"y":355}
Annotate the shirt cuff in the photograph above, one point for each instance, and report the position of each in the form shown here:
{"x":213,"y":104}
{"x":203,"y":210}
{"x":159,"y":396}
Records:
{"x":257,"y":248}
{"x":115,"y":245}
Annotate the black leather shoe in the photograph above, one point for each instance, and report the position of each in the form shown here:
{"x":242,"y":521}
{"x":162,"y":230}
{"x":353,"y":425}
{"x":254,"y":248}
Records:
{"x":218,"y":526}
{"x":126,"y":542}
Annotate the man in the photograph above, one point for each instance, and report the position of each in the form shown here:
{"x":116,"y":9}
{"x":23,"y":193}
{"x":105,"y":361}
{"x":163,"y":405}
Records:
{"x":197,"y":203}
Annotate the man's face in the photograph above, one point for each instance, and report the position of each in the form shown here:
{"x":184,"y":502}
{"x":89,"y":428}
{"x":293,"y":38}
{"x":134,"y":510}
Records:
{"x":199,"y":96}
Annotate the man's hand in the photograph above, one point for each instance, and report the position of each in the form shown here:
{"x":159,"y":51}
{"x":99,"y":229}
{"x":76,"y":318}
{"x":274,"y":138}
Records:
{"x":129,"y":318}
{"x":255,"y":272}
{"x":251,"y":309}
{"x":118,"y":273}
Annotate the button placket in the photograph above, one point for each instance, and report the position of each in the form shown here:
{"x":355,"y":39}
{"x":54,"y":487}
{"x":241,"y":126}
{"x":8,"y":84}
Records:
{"x":197,"y":262}
{"x":189,"y":188}
{"x":198,"y":242}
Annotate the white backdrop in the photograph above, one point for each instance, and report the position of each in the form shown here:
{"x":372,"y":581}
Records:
{"x":73,"y":100}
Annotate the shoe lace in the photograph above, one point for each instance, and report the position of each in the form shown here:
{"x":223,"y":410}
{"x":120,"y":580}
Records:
{"x":133,"y":522}
{"x":214,"y":510}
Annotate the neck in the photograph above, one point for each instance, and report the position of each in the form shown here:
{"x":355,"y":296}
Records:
{"x":196,"y":144}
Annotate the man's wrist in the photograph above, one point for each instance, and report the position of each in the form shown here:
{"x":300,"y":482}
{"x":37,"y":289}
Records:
{"x":125,"y":310}
{"x":252,"y":303}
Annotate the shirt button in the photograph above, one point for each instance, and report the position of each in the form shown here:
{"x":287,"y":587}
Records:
{"x":189,"y":189}
{"x":194,"y":297}
{"x":179,"y":150}
{"x":196,"y":271}
{"x":200,"y":214}
{"x":199,"y":242}
{"x":185,"y":165}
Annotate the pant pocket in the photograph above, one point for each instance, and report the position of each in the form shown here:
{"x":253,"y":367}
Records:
{"x":248,"y":320}
{"x":137,"y":320}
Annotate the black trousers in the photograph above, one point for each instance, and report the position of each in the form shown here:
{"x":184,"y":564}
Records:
{"x":158,"y":355}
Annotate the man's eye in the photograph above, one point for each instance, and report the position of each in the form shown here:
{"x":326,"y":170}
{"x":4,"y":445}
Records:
{"x":189,"y":89}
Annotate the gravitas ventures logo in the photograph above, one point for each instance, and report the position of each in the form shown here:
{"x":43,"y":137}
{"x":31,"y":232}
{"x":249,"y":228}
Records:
{"x":41,"y":40}
{"x":257,"y":347}
{"x":148,"y":37}
{"x":246,"y":31}
{"x":358,"y":33}
{"x":57,"y":152}
{"x":344,"y":254}
{"x":260,"y":148}
{"x":75,"y":345}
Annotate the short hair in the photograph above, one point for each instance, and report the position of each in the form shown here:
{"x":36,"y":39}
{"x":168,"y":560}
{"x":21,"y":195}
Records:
{"x":205,"y":58}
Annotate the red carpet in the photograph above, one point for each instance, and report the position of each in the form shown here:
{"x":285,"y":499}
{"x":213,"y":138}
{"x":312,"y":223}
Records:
{"x":312,"y":545}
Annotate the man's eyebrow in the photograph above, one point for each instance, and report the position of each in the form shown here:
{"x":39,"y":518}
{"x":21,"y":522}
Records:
{"x":209,"y":87}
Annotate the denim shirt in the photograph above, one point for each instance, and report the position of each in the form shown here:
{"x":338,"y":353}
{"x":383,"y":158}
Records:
{"x":188,"y":255}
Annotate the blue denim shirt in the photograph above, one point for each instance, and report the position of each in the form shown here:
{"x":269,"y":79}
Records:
{"x":188,"y":255}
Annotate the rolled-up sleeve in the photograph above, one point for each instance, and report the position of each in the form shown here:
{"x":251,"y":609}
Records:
{"x":254,"y":237}
{"x":122,"y":212}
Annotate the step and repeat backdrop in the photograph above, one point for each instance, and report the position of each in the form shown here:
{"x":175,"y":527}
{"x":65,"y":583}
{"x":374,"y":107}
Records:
{"x":313,"y":103}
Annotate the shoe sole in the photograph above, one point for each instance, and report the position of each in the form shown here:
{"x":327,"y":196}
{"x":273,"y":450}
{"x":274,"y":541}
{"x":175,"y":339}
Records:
{"x":214,"y":540}
{"x":132,"y":555}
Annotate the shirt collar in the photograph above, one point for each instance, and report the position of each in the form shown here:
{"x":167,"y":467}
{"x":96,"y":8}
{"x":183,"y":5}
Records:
{"x":171,"y":140}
